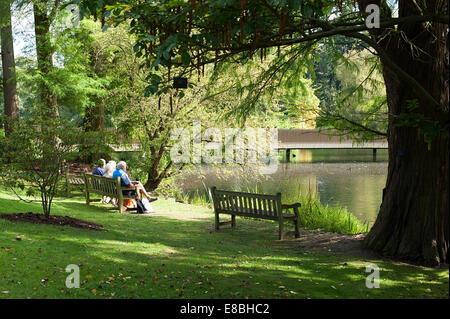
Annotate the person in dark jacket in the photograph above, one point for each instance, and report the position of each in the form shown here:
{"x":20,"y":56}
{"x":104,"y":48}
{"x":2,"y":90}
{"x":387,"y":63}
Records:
{"x":99,"y":170}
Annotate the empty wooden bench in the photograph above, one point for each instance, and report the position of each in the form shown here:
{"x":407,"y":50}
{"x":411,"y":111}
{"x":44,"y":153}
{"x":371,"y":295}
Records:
{"x":253,"y":205}
{"x":72,"y":179}
{"x":106,"y":186}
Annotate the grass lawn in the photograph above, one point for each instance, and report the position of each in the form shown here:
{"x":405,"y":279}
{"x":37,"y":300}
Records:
{"x":176,"y":254}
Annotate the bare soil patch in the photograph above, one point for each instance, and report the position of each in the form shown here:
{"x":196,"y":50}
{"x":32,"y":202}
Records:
{"x":51,"y":220}
{"x":340,"y":243}
{"x":322,"y":240}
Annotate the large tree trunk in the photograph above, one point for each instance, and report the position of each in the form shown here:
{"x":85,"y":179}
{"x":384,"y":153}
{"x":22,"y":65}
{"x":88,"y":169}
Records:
{"x":8,"y":67}
{"x":155,"y":174}
{"x":413,"y":220}
{"x":94,"y":122}
{"x":152,"y":182}
{"x":44,"y":53}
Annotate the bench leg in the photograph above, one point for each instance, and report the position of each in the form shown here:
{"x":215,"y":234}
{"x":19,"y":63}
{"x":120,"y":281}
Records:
{"x":297,"y":223}
{"x":280,"y":231}
{"x":217,"y":221}
{"x":121,"y":208}
{"x":297,"y":232}
{"x":233,"y":221}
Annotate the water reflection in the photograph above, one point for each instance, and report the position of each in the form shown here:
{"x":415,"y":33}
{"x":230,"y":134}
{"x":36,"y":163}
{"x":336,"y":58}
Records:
{"x":335,"y":155}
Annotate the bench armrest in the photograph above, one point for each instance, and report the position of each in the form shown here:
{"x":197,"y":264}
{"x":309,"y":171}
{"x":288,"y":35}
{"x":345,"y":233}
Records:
{"x":294,"y":207}
{"x":287,"y":206}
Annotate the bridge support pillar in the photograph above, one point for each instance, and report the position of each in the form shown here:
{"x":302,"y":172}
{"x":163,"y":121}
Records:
{"x":288,"y":155}
{"x":374,"y":154}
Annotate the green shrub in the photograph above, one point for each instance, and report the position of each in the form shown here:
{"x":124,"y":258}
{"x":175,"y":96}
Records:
{"x":315,"y":215}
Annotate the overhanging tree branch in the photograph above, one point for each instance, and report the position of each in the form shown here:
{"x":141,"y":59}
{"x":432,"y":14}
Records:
{"x":394,"y":68}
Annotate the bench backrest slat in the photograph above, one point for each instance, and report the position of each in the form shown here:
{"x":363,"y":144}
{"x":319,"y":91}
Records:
{"x":102,"y":185}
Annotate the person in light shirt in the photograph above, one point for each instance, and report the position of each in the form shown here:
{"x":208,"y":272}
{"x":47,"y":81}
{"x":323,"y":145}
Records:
{"x":121,"y":172}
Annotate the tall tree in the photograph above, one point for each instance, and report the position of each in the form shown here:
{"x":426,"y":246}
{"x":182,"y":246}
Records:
{"x":413,"y":217}
{"x":413,"y":50}
{"x":8,"y":66}
{"x":45,"y":12}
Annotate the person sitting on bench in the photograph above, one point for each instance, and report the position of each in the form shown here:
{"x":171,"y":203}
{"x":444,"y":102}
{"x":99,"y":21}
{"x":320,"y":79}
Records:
{"x":99,"y":169}
{"x":109,"y":169}
{"x":121,"y":172}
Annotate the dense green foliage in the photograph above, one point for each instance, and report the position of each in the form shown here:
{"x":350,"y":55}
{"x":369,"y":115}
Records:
{"x":33,"y":158}
{"x":179,"y":38}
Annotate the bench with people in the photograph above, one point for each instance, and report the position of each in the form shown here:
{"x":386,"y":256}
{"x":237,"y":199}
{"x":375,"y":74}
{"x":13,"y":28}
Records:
{"x":112,"y":181}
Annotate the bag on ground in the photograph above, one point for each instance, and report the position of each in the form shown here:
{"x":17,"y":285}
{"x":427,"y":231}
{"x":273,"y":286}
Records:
{"x":129,"y":203}
{"x":147,"y":207}
{"x":140,"y":209}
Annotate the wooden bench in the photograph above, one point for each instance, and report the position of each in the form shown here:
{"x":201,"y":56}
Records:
{"x":106,"y":186}
{"x":72,"y":179}
{"x":254,"y":205}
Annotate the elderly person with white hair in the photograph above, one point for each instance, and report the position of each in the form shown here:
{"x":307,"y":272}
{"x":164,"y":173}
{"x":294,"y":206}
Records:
{"x":109,"y":169}
{"x":121,"y":172}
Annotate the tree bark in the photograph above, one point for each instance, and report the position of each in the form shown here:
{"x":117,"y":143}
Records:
{"x":412,"y":223}
{"x":152,"y":182}
{"x":9,"y":68}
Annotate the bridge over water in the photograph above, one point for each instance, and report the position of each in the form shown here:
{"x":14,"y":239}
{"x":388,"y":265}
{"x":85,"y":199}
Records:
{"x":326,"y":139}
{"x":295,"y":139}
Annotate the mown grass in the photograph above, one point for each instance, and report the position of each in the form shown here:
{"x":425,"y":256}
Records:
{"x":176,"y":254}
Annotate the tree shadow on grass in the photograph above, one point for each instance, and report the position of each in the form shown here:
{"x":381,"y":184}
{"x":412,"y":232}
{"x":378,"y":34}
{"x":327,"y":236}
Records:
{"x":162,"y":255}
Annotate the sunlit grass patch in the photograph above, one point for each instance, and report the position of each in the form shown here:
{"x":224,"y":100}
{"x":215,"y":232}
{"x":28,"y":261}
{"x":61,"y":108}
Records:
{"x":168,"y":256}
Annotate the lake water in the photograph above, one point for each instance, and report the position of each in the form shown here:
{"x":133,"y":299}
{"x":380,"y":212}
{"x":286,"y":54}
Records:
{"x":346,"y":178}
